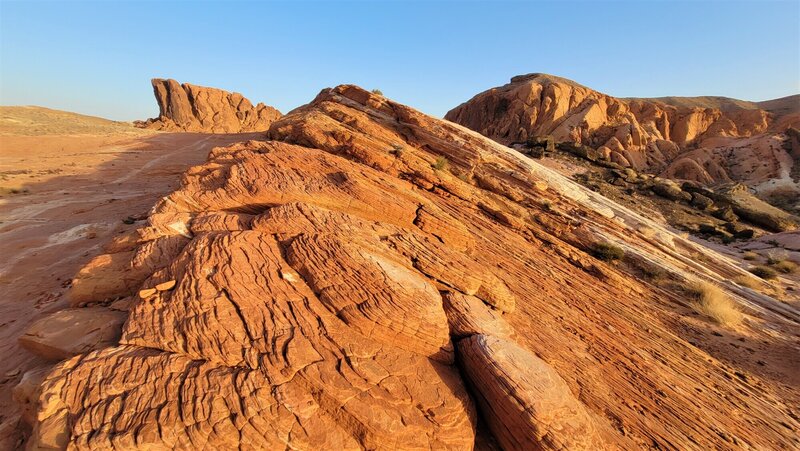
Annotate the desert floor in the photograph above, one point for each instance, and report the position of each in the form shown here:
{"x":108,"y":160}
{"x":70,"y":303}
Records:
{"x":61,"y":198}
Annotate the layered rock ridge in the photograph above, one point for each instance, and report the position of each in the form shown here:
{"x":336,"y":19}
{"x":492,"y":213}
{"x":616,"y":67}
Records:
{"x":187,"y":107}
{"x":374,"y":278}
{"x":705,"y":139}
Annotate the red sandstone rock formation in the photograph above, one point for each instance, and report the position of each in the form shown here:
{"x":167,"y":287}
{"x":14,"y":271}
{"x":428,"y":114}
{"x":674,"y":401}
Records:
{"x":186,"y":107}
{"x":341,"y":287}
{"x":706,"y":139}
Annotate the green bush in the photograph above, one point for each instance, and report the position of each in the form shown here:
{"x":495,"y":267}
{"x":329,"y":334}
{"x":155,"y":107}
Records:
{"x":607,"y":252}
{"x":441,"y":164}
{"x":377,"y":92}
{"x":765,"y":272}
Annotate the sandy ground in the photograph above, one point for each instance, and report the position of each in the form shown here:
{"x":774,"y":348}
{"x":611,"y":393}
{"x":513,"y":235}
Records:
{"x":61,"y":199}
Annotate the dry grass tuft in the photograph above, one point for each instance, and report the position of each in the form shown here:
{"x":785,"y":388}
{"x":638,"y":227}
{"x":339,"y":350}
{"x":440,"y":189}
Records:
{"x":750,"y":256}
{"x":441,"y":163}
{"x":607,"y":252}
{"x":767,"y":288}
{"x":786,"y":266}
{"x":747,"y":282}
{"x":765,"y":272}
{"x":712,"y":301}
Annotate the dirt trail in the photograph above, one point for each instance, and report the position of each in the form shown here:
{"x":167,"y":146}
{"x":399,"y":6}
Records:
{"x":61,"y":202}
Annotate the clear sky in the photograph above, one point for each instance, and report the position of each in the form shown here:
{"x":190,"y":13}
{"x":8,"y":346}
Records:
{"x":97,"y":58}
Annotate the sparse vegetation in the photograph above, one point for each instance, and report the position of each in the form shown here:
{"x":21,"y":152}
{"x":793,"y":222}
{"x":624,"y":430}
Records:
{"x":750,"y":256}
{"x":763,"y":287}
{"x":710,"y":300}
{"x":747,"y":282}
{"x":377,"y":92}
{"x":652,"y":272}
{"x":547,"y":205}
{"x":607,"y":252}
{"x":396,"y":150}
{"x":779,"y":261}
{"x":765,"y":272}
{"x":786,"y":266}
{"x":441,"y":163}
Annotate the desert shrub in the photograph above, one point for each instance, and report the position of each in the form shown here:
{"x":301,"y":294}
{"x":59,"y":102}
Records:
{"x":441,"y":163}
{"x":765,"y":272}
{"x":750,"y":256}
{"x":547,"y":205}
{"x":747,"y":282}
{"x":710,"y":300}
{"x":607,"y":252}
{"x":397,"y":150}
{"x":377,"y":92}
{"x":767,"y":288}
{"x":786,"y":266}
{"x":652,"y":272}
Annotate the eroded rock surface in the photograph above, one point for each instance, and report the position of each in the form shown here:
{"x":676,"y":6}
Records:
{"x":374,"y":278}
{"x":187,"y":107}
{"x":70,"y":332}
{"x":525,"y":401}
{"x":705,"y":139}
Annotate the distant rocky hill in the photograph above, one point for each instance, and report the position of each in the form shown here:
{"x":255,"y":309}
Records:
{"x":709,"y":140}
{"x":187,"y":107}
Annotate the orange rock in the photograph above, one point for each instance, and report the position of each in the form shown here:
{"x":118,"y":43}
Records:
{"x":70,"y":332}
{"x":322,"y":277}
{"x":165,"y":286}
{"x":525,"y":401}
{"x":199,"y":109}
{"x":646,"y":134}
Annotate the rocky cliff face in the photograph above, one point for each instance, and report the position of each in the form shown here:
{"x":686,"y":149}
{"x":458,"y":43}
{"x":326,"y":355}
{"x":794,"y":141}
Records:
{"x":373,"y":278}
{"x":704,"y":139}
{"x":186,"y":107}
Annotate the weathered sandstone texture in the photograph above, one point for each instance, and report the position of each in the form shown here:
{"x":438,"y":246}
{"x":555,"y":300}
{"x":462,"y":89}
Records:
{"x":374,"y":278}
{"x":186,"y":107}
{"x":704,"y":139}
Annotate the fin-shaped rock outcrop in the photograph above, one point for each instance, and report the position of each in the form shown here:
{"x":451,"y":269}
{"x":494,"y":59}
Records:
{"x":373,"y":278}
{"x":192,"y":108}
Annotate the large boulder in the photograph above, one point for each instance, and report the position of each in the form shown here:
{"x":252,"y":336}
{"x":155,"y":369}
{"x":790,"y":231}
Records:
{"x":670,"y":190}
{"x":754,"y":210}
{"x":701,"y":202}
{"x":525,"y":402}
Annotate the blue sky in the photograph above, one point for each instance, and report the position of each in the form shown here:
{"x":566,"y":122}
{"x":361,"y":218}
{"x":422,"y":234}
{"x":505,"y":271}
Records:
{"x":97,"y":58}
